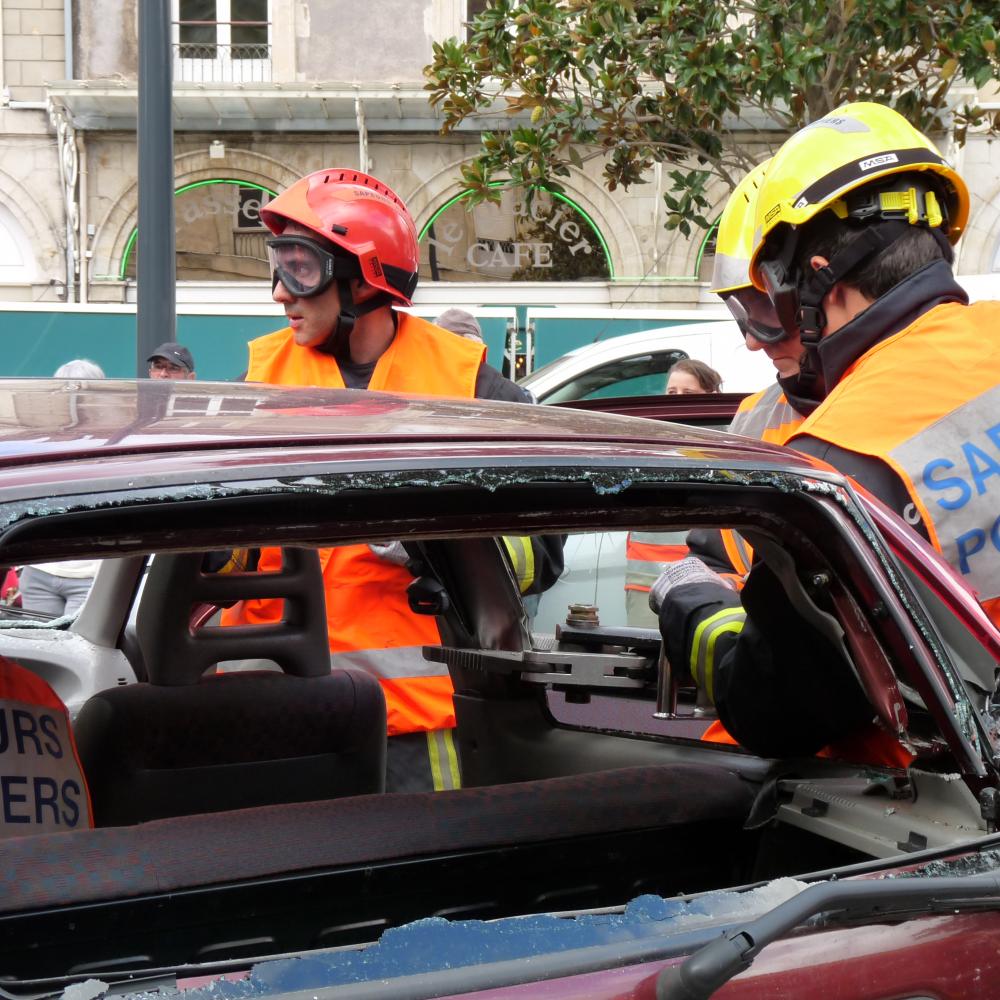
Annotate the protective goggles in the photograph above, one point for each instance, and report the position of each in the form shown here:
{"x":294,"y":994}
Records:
{"x":304,"y":268}
{"x":755,"y":315}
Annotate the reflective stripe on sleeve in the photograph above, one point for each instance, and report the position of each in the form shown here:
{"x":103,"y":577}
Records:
{"x":703,"y":645}
{"x":522,"y":558}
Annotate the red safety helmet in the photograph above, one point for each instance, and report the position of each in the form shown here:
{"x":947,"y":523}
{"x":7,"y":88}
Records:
{"x":359,"y":214}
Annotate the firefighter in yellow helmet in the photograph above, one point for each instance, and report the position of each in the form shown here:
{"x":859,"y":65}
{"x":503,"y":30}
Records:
{"x":766,"y":415}
{"x":853,"y":243}
{"x":854,"y":226}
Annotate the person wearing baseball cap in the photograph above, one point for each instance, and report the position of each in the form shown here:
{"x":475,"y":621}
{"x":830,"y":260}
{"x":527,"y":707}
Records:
{"x":171,"y":360}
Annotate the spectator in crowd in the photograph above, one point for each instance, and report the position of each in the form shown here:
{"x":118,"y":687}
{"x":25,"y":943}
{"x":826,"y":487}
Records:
{"x":466,"y":325}
{"x":60,"y":588}
{"x":79,"y":368}
{"x":461,"y":322}
{"x":690,"y":377}
{"x":171,"y":360}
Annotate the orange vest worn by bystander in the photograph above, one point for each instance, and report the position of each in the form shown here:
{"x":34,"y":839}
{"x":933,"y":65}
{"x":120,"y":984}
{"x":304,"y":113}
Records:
{"x":369,"y":620}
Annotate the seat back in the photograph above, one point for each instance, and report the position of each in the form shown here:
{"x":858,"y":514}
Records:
{"x":188,"y":742}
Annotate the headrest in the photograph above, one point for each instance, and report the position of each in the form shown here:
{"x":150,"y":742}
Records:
{"x":176,"y":654}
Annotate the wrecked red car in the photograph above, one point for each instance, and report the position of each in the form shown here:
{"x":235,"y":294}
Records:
{"x":598,"y":846}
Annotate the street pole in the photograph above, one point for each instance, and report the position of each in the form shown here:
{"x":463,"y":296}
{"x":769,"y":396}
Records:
{"x":156,"y":281}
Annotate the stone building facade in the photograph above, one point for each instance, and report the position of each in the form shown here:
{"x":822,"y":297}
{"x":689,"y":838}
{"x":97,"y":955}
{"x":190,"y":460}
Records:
{"x":267,"y":90}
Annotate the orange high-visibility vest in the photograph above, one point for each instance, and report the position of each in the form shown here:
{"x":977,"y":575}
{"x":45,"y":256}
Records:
{"x":926,"y":401}
{"x":646,"y":554}
{"x":767,"y":416}
{"x":42,"y":787}
{"x":369,"y":621}
{"x":866,"y":746}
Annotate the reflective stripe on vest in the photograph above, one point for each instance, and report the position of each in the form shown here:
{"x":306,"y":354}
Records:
{"x":522,"y":559}
{"x":648,"y":552}
{"x":417,"y":693}
{"x":938,"y":379}
{"x":738,"y":551}
{"x":368,"y":613}
{"x":767,"y":416}
{"x":706,"y":635}
{"x":954,"y":466}
{"x":42,"y":787}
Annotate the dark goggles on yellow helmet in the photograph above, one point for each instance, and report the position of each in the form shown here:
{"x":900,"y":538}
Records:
{"x":304,"y":267}
{"x":755,"y":315}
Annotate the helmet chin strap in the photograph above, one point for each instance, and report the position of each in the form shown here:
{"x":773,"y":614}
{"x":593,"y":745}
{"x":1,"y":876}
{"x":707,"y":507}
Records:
{"x":813,"y":287}
{"x":338,"y":342}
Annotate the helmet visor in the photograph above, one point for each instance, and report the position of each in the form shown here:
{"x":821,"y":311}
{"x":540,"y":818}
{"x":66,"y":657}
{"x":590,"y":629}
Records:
{"x":303,"y":267}
{"x":755,"y":315}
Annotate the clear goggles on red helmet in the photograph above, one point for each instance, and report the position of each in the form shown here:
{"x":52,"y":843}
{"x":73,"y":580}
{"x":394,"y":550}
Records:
{"x":755,"y":315}
{"x":304,"y":267}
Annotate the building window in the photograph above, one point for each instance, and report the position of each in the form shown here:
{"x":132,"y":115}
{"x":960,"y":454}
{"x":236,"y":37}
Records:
{"x":219,"y":233}
{"x":705,"y":262}
{"x":17,"y":263}
{"x":222,"y":41}
{"x":472,"y":8}
{"x":545,"y":238}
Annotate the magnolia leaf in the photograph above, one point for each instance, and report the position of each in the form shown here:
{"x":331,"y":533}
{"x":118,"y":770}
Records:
{"x":688,"y":84}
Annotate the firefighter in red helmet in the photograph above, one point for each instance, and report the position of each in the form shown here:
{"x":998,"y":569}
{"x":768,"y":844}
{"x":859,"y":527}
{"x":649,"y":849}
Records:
{"x":344,"y":252}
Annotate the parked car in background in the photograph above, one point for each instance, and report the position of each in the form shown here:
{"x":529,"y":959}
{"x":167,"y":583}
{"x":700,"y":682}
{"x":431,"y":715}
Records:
{"x":636,"y":364}
{"x":243,"y":846}
{"x":594,"y":570}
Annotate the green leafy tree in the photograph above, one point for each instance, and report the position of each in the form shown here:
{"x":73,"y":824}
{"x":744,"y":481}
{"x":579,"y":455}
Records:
{"x":693,"y":84}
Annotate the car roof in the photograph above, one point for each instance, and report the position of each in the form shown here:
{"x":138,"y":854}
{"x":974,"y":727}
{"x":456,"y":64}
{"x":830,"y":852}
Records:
{"x":621,"y":345}
{"x":717,"y":342}
{"x":73,"y":425}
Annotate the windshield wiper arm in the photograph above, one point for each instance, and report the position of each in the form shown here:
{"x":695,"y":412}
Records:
{"x":702,"y":973}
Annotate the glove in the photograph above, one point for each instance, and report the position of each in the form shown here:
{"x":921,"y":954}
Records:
{"x":390,"y":551}
{"x":679,"y":574}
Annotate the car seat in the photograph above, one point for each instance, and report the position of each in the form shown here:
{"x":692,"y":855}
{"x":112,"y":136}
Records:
{"x":187,"y":741}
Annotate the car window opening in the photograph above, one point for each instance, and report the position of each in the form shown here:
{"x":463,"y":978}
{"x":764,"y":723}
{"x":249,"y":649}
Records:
{"x":592,"y":769}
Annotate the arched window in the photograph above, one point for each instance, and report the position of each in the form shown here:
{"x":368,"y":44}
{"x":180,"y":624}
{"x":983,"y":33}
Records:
{"x":545,"y":238}
{"x":705,"y":261}
{"x":17,"y":263}
{"x":220,"y":235}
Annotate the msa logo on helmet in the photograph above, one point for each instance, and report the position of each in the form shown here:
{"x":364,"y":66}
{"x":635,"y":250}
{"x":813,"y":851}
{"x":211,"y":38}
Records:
{"x":772,"y":213}
{"x":376,"y":266}
{"x":877,"y":161}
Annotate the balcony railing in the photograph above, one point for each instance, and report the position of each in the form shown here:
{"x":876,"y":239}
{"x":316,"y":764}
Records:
{"x":211,"y":62}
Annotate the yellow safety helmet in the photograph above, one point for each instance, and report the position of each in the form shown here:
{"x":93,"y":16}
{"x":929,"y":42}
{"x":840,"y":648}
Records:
{"x":751,"y":308}
{"x":734,"y":239}
{"x":846,"y":150}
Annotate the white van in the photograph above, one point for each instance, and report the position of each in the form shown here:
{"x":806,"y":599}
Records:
{"x":636,"y":364}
